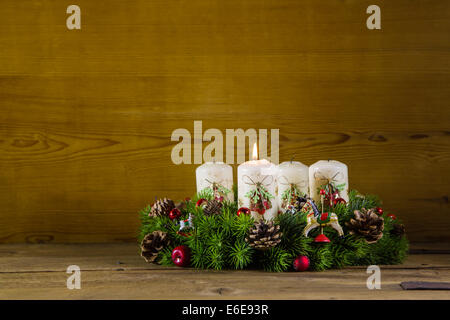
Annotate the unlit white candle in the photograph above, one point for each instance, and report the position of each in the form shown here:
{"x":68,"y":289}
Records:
{"x":292,"y":174}
{"x":213,"y":175}
{"x":328,"y":170}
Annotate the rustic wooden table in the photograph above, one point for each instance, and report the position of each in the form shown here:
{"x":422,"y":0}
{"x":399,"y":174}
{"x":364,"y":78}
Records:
{"x":116,"y":271}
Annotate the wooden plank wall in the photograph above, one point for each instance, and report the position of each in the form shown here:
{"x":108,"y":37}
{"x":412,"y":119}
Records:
{"x":86,"y":115}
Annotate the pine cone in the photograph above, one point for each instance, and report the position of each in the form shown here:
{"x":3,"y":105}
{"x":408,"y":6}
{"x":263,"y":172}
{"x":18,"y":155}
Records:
{"x":366,"y":224}
{"x":162,"y":207}
{"x":213,"y":207}
{"x":152,"y":244}
{"x":398,"y":230}
{"x":264,"y":235}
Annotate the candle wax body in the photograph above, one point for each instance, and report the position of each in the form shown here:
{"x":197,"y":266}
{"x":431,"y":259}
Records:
{"x":328,"y":170}
{"x":291,"y":174}
{"x":218,"y":177}
{"x":252,"y":173}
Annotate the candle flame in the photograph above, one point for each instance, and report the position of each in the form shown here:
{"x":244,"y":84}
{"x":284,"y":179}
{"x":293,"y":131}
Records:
{"x":255,"y":152}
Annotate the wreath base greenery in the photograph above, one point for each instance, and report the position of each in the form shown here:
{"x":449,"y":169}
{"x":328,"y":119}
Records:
{"x":218,"y":241}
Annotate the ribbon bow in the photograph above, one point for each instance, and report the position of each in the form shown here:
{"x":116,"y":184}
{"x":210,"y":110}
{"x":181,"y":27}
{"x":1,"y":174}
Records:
{"x":253,"y":183}
{"x":337,"y":176}
{"x":212,"y":183}
{"x":285,"y":181}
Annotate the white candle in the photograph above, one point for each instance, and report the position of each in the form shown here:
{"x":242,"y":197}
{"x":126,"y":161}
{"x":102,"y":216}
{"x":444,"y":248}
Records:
{"x":257,"y":187}
{"x":292,"y":181}
{"x":328,"y":172}
{"x":216,"y":178}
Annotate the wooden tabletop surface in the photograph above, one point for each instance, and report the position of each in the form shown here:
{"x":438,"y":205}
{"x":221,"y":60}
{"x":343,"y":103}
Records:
{"x":116,"y":271}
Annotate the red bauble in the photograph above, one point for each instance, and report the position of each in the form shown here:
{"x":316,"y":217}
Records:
{"x":243,"y":210}
{"x":301,"y":263}
{"x":392,"y":216}
{"x":322,"y":192}
{"x":379,"y":210}
{"x":174,"y":214}
{"x":181,"y":256}
{"x":201,"y":202}
{"x":339,"y":200}
{"x":220,"y":199}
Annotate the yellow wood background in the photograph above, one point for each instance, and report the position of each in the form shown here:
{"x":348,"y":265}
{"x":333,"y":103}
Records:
{"x":86,"y":115}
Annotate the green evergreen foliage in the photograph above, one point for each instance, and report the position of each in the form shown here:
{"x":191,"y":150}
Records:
{"x":218,"y":241}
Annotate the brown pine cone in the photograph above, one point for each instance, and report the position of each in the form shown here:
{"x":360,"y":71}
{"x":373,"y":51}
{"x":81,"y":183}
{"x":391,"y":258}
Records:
{"x":264,"y":235}
{"x":366,"y":224}
{"x":213,"y":207}
{"x":162,"y":207}
{"x":398,"y":230}
{"x":152,"y":244}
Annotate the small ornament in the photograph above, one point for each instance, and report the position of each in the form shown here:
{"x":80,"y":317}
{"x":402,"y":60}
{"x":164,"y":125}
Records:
{"x":392,"y":216}
{"x":301,"y":263}
{"x":379,"y":211}
{"x":316,"y":219}
{"x":174,"y":214}
{"x":186,"y":224}
{"x":243,"y":210}
{"x":213,"y":207}
{"x":162,"y":207}
{"x":152,"y":244}
{"x":322,"y":192}
{"x":398,"y":230}
{"x":201,"y":202}
{"x":181,"y":256}
{"x":367,"y":224}
{"x":264,"y":235}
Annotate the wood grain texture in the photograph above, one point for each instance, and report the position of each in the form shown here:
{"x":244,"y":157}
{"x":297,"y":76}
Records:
{"x":115,"y":271}
{"x":86,"y":115}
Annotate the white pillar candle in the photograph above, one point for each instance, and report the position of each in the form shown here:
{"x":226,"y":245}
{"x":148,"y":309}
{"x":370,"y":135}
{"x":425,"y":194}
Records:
{"x":328,"y":172}
{"x":257,"y":187}
{"x":216,"y":178}
{"x":292,"y":181}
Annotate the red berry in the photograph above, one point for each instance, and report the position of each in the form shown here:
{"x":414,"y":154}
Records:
{"x":201,"y":202}
{"x":181,"y":256}
{"x":301,"y":263}
{"x":322,"y":192}
{"x":392,"y":216}
{"x":174,"y":214}
{"x":243,"y":210}
{"x":379,"y":210}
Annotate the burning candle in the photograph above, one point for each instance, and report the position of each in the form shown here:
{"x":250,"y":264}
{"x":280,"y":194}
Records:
{"x":257,"y":187}
{"x":293,"y":181}
{"x":332,"y":177}
{"x":216,"y":180}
